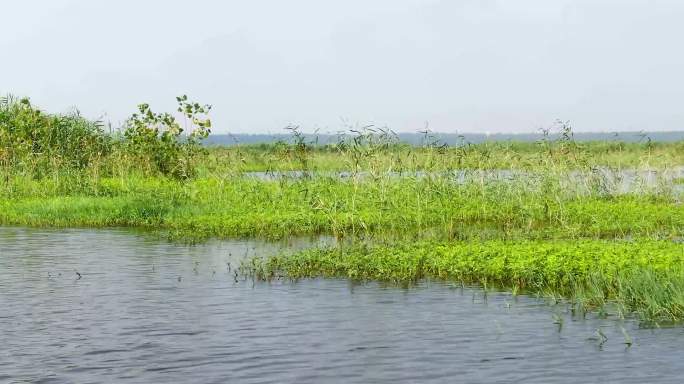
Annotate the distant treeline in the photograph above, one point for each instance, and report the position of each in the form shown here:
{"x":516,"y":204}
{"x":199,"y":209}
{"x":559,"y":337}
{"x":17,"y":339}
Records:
{"x":451,"y":138}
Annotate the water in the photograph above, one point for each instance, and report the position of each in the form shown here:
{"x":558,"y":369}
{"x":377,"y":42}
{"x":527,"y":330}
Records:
{"x":130,"y":319}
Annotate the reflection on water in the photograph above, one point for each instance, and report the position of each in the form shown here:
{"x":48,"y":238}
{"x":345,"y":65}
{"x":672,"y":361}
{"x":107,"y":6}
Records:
{"x":148,"y":311}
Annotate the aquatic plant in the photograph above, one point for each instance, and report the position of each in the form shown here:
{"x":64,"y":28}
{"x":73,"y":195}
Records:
{"x":645,"y":277}
{"x":345,"y":208}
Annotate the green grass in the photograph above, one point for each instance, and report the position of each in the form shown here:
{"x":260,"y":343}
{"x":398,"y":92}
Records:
{"x":240,"y":207}
{"x":645,"y":277}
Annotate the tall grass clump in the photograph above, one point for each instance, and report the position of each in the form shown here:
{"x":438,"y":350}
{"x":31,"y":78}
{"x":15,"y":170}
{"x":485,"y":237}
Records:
{"x":67,"y":153}
{"x":37,"y":144}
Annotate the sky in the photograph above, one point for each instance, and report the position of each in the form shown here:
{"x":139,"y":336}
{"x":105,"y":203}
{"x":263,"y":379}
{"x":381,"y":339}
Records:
{"x":452,"y":65}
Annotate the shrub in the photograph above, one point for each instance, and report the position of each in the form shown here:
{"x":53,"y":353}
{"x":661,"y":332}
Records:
{"x":155,"y":139}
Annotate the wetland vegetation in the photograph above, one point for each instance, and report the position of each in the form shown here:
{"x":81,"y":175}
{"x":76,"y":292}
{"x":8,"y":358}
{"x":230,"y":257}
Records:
{"x":597,"y":223}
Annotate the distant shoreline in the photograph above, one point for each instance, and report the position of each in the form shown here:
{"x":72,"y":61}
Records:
{"x":451,"y":138}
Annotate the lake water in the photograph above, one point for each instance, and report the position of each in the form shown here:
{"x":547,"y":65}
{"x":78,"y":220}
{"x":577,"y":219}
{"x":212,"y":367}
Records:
{"x":148,"y":311}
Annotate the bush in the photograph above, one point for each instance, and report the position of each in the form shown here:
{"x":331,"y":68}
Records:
{"x":155,"y":139}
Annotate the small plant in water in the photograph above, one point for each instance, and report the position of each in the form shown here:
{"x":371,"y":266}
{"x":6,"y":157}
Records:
{"x":628,"y":338}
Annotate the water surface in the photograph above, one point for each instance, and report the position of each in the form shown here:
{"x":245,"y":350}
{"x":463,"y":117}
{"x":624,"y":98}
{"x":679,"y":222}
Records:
{"x":148,"y":311}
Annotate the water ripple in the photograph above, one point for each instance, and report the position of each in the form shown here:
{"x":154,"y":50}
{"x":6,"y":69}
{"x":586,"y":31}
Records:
{"x":129,"y":319}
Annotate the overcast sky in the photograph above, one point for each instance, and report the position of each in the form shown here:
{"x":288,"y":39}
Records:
{"x":461,"y":65}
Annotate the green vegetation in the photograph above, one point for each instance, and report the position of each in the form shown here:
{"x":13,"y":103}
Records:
{"x":401,"y":157}
{"x":556,"y":216}
{"x":68,"y":148}
{"x":368,"y":208}
{"x":645,"y":277}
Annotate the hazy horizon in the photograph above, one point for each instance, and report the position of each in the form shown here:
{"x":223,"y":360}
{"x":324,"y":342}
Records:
{"x":471,"y":66}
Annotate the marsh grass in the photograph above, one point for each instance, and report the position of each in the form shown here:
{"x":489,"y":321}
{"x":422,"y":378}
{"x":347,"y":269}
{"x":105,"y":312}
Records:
{"x":390,"y":191}
{"x":400,"y":157}
{"x":396,"y":208}
{"x":556,"y":216}
{"x":641,"y":277}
